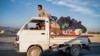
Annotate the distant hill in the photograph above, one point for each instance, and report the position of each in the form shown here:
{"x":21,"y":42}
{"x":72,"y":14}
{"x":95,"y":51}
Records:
{"x":8,"y":31}
{"x":7,"y":28}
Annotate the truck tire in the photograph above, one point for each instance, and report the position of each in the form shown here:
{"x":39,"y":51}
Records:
{"x":75,"y":50}
{"x":34,"y":51}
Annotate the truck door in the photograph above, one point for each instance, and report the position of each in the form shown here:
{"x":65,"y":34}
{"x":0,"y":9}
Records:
{"x":34,"y":32}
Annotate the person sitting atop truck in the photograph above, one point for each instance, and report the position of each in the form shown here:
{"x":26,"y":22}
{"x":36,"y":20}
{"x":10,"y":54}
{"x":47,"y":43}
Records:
{"x":41,"y":12}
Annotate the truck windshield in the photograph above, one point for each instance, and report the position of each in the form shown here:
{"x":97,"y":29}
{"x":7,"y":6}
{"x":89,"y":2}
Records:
{"x":35,"y":25}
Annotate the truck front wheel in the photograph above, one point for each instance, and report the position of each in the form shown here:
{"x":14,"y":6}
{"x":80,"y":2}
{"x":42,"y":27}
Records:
{"x":34,"y":51}
{"x":75,"y":50}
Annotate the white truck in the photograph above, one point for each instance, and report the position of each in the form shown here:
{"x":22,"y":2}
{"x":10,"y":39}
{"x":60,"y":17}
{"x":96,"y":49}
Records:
{"x":34,"y":41}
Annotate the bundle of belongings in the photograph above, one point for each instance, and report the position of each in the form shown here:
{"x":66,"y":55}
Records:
{"x":66,"y":26}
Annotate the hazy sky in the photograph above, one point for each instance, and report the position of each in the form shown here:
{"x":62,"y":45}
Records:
{"x":14,"y":13}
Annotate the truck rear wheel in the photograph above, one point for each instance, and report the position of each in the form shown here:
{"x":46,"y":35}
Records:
{"x":75,"y":50}
{"x":34,"y":51}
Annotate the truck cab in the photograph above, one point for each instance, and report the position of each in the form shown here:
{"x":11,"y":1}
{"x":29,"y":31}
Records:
{"x":34,"y":37}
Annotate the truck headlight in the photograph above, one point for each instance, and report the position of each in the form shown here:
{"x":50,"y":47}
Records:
{"x":17,"y":38}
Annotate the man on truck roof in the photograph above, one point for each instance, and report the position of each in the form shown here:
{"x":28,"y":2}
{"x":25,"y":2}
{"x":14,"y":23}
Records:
{"x":41,"y":12}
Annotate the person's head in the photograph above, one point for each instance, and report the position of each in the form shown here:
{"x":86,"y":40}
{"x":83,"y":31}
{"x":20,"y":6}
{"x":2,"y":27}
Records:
{"x":42,"y":27}
{"x":39,"y":7}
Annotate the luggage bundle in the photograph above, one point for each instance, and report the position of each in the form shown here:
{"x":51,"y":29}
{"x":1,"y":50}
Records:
{"x":67,"y":26}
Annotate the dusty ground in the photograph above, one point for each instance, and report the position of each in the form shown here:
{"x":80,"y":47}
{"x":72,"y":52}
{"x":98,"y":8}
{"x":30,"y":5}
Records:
{"x":96,"y":38}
